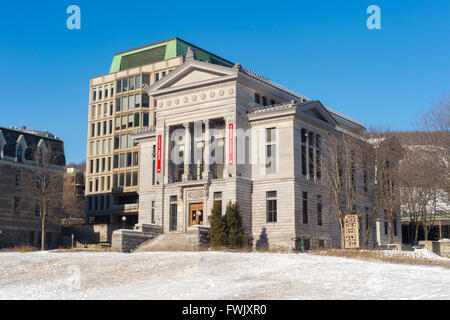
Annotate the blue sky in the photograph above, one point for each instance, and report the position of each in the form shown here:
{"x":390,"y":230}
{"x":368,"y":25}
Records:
{"x":321,"y":49}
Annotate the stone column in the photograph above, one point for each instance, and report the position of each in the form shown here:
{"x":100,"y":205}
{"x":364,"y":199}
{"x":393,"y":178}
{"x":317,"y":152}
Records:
{"x":187,"y":151}
{"x":206,"y":152}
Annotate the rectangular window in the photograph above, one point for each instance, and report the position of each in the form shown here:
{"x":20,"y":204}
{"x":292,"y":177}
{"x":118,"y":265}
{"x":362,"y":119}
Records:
{"x":129,"y":141}
{"x":173,"y":213}
{"x":122,"y":160}
{"x":99,"y":129}
{"x":270,"y":151}
{"x":123,"y":141}
{"x":311,"y":163}
{"x":128,"y":180}
{"x":94,"y":95}
{"x":304,"y":160}
{"x":145,"y":79}
{"x":264,"y":101}
{"x":318,"y":165}
{"x":119,"y":86}
{"x":92,"y":129}
{"x":124,"y":122}
{"x":271,"y":206}
{"x":145,"y":100}
{"x":121,"y":179}
{"x":125,"y":84}
{"x":138,"y":81}
{"x":131,"y":102}
{"x":305,"y":207}
{"x":135,"y":158}
{"x":117,"y":104}
{"x":116,"y":142}
{"x":145,"y":119}
{"x":319,"y":210}
{"x":124,"y":103}
{"x":116,"y":161}
{"x":110,"y":126}
{"x":136,"y":120}
{"x":129,"y":158}
{"x":112,"y":91}
{"x":130,"y":120}
{"x":156,"y":76}
{"x":135,"y":178}
{"x":104,"y":127}
{"x":137,"y":99}
{"x":303,"y":135}
{"x":117,"y":126}
{"x":131,"y":83}
{"x":257,"y":98}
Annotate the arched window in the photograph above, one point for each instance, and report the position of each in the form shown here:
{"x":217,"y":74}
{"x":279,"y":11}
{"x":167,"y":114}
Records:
{"x":19,"y":153}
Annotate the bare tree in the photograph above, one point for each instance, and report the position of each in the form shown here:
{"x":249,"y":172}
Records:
{"x":44,"y":187}
{"x":371,"y":189}
{"x":340,"y":153}
{"x":412,"y":194}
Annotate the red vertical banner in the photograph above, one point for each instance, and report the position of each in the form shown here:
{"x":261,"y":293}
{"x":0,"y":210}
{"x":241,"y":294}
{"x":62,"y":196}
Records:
{"x":158,"y":156}
{"x":230,"y":144}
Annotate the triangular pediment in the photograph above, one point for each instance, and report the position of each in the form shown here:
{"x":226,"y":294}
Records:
{"x":191,"y":74}
{"x":315,"y":110}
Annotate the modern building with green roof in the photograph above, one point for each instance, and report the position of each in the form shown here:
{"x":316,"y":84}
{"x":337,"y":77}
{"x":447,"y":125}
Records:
{"x":159,"y":51}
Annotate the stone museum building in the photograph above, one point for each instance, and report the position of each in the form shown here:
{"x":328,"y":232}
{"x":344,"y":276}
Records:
{"x":170,"y":138}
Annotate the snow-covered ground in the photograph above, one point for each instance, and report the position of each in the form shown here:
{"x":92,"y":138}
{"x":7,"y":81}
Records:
{"x":213,"y":275}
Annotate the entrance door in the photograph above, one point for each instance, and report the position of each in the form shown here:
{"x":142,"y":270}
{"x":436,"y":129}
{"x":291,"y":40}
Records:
{"x":195,"y":214}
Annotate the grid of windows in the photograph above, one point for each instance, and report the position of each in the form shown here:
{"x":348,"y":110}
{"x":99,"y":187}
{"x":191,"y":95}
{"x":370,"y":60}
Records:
{"x":311,"y":155}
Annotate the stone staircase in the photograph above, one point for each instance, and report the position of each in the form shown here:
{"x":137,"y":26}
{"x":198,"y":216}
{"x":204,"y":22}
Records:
{"x":193,"y":240}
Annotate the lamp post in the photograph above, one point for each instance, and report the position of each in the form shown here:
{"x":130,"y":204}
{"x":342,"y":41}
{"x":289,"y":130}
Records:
{"x":123,"y":222}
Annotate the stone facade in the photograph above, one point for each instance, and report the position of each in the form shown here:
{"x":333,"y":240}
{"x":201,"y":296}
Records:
{"x":20,"y":223}
{"x":257,"y":130}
